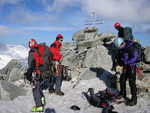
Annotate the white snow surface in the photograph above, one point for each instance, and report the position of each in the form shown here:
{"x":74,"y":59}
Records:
{"x":61,"y":104}
{"x":9,"y":52}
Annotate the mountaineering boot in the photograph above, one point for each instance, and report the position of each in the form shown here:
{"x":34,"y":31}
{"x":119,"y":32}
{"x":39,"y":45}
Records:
{"x":119,"y":96}
{"x":51,"y":91}
{"x":132,"y":102}
{"x":91,"y":91}
{"x":37,"y":109}
{"x":60,"y":93}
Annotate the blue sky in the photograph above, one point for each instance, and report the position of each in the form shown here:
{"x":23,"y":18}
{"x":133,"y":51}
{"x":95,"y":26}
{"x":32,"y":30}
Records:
{"x":21,"y":20}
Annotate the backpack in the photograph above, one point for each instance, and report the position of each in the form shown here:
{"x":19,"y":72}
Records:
{"x":139,"y":49}
{"x":128,"y":33}
{"x":38,"y":56}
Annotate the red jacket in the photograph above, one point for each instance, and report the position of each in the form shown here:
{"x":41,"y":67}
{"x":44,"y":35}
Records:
{"x":55,"y":50}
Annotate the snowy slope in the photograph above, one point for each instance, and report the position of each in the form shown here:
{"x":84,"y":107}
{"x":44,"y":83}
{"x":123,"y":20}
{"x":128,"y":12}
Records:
{"x":58,"y":104}
{"x":8,"y":52}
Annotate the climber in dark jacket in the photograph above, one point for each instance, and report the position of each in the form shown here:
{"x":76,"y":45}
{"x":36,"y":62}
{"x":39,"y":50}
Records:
{"x":38,"y":64}
{"x":127,"y":57}
{"x":124,"y":32}
{"x":120,"y":29}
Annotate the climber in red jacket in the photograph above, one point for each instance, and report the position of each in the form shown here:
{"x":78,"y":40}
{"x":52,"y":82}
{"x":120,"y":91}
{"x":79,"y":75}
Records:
{"x":57,"y":58}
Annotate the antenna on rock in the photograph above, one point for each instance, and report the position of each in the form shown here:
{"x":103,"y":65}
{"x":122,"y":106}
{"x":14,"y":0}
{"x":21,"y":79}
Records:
{"x":93,"y":20}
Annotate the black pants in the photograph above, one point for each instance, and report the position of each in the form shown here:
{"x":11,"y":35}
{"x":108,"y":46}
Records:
{"x":129,"y":72}
{"x":55,"y":83}
{"x":56,"y":80}
{"x":39,"y":84}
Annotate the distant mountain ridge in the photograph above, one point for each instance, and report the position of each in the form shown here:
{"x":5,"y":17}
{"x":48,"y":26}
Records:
{"x":9,"y":52}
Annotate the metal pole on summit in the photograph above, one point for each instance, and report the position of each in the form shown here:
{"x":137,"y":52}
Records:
{"x":93,"y":20}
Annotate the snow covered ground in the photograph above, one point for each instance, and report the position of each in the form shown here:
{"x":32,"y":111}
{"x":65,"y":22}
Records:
{"x":8,"y":52}
{"x":58,"y":104}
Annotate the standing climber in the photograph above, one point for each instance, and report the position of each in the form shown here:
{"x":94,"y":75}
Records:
{"x":56,"y":60}
{"x":38,"y":72}
{"x":128,"y":56}
{"x":124,"y":32}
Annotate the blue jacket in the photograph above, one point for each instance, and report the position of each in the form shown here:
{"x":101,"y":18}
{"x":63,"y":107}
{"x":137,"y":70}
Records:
{"x":129,"y":54}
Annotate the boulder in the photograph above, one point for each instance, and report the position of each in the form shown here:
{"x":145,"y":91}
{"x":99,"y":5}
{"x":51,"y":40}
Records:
{"x":79,"y":36}
{"x":87,"y":51}
{"x":98,"y":57}
{"x":147,"y":54}
{"x":9,"y":91}
{"x":146,"y":67}
{"x":13,"y":71}
{"x":88,"y":33}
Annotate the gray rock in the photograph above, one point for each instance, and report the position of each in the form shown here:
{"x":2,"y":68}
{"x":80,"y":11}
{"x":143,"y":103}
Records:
{"x":9,"y":91}
{"x":68,"y":46}
{"x":89,"y":44}
{"x":87,"y":51}
{"x":79,"y":36}
{"x":88,"y":74}
{"x":146,"y":67}
{"x":91,"y":34}
{"x":98,"y":57}
{"x":93,"y":57}
{"x":88,"y":33}
{"x":4,"y":95}
{"x":13,"y":71}
{"x":147,"y":54}
{"x":16,"y":74}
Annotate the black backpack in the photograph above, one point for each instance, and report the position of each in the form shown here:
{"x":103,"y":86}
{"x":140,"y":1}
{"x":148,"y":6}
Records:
{"x":139,"y":49}
{"x":128,"y":33}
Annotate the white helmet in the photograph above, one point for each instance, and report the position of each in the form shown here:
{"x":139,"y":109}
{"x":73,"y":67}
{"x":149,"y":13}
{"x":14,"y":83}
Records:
{"x":118,"y":41}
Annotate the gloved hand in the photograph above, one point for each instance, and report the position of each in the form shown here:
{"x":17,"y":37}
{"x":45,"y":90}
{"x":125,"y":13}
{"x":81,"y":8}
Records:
{"x":119,"y":69}
{"x":28,"y":76}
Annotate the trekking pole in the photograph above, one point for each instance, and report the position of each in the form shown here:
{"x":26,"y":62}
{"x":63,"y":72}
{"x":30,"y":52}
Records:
{"x":78,"y":79}
{"x":24,"y":79}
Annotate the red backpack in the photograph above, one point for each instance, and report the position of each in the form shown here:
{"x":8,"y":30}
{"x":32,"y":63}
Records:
{"x":37,"y":55}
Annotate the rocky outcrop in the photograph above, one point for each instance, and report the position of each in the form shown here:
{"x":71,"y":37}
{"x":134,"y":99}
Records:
{"x":147,"y":55}
{"x":9,"y":91}
{"x":13,"y":71}
{"x":98,"y":57}
{"x":87,"y":50}
{"x":89,"y":37}
{"x":85,"y":34}
{"x":92,"y":57}
{"x":90,"y":34}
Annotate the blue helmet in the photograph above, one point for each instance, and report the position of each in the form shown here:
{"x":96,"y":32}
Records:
{"x":118,"y":41}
